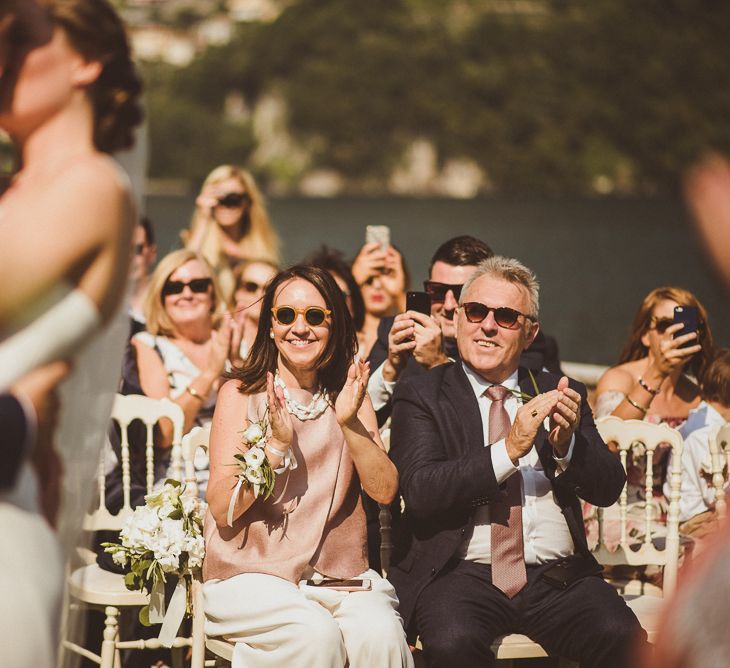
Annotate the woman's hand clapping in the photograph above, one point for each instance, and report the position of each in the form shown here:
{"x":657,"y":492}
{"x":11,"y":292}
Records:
{"x":282,"y":430}
{"x":351,"y":396}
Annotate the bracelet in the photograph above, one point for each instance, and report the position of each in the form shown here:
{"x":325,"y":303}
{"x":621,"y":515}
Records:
{"x":645,"y":385}
{"x":194,"y":393}
{"x":638,"y":407}
{"x":274,"y":451}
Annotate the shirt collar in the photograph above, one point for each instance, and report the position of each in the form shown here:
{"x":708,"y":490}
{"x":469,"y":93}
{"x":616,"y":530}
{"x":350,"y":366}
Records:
{"x":479,"y":384}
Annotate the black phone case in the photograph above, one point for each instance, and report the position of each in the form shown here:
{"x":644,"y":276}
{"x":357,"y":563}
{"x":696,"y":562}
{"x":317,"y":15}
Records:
{"x":569,"y":570}
{"x":418,"y":301}
{"x":687,"y":315}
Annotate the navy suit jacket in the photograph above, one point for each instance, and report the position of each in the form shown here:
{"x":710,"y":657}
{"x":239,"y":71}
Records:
{"x":437,"y":444}
{"x":13,"y":432}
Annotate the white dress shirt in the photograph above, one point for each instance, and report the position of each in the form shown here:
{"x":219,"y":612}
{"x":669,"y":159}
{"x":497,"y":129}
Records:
{"x":545,"y":531}
{"x":379,"y":389}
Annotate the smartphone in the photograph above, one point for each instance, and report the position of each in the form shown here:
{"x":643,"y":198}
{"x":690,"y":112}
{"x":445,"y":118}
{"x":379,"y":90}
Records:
{"x":378,"y":234}
{"x":341,"y":585}
{"x":688,"y":316}
{"x":418,"y":301}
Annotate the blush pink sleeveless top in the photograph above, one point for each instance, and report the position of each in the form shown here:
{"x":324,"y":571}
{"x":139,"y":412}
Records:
{"x":314,"y":516}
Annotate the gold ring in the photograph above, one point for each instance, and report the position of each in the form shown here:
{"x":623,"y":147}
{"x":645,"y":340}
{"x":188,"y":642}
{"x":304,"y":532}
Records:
{"x":534,"y":413}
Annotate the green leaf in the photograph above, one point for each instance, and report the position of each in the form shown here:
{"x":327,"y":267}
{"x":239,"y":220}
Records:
{"x":144,"y":615}
{"x":130,"y":581}
{"x":173,"y":482}
{"x":176,"y":514}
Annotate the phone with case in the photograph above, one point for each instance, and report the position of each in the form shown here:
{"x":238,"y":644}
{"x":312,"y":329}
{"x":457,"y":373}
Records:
{"x":341,"y":585}
{"x":378,"y":234}
{"x":418,"y":301}
{"x":688,"y":316}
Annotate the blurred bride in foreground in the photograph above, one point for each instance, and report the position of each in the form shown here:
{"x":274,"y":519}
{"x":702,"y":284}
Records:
{"x":68,"y":97}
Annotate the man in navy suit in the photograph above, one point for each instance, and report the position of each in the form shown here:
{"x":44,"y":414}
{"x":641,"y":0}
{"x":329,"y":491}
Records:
{"x":492,"y":458}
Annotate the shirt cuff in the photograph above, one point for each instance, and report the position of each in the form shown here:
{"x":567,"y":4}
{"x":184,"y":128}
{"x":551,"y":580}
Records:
{"x":379,"y":389}
{"x":501,"y":463}
{"x":563,"y":462}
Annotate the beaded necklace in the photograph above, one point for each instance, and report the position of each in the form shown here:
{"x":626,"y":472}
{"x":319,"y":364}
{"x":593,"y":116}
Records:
{"x":313,"y":410}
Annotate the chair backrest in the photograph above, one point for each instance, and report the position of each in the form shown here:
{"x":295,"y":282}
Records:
{"x":640,"y":439}
{"x":719,"y":441}
{"x":125,"y":410}
{"x":197,"y":437}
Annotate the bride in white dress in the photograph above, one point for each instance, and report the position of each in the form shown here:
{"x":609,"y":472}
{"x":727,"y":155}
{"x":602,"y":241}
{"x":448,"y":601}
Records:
{"x":68,"y":97}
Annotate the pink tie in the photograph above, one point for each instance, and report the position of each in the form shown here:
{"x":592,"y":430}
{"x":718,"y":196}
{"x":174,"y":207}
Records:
{"x":508,"y":558}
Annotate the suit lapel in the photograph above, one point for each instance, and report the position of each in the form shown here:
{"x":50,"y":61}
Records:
{"x":464,"y":414}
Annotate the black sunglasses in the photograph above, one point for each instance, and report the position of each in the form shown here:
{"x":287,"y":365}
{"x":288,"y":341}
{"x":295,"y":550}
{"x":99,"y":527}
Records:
{"x":251,"y":286}
{"x":197,"y":285}
{"x":314,"y":315}
{"x":437,"y":291}
{"x":503,"y":315}
{"x":233,"y":200}
{"x":661,"y":325}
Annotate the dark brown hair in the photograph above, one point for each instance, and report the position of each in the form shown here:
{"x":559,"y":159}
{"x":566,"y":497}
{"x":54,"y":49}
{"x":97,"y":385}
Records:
{"x":94,"y":29}
{"x":461,"y":251}
{"x":716,"y":381}
{"x":337,"y":355}
{"x":634,"y":349}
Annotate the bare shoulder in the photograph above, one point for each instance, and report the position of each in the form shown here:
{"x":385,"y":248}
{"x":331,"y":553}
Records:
{"x":619,"y":378}
{"x":231,"y":400}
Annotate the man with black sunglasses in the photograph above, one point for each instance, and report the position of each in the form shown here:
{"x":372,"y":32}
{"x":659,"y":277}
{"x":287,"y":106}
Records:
{"x":492,"y":460}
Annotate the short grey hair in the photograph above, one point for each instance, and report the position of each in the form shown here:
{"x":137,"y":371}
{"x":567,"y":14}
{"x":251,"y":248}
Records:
{"x":510,"y":270}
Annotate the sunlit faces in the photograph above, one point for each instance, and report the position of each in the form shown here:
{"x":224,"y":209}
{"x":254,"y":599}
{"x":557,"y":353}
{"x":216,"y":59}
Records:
{"x":227,"y":216}
{"x":661,"y":318}
{"x":143,"y":255}
{"x":254,"y":277}
{"x":51,"y":77}
{"x":444,"y":311}
{"x":494,"y":351}
{"x":188,"y":306}
{"x":300,"y":344}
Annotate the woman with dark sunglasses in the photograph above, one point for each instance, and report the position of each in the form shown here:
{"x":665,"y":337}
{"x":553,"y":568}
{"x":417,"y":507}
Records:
{"x":251,"y":280}
{"x":189,"y":339}
{"x":270,"y":560}
{"x":231,"y":225}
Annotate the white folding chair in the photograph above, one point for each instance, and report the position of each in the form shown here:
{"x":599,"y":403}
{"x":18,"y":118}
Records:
{"x":94,"y":586}
{"x":642,"y":438}
{"x":719,"y":441}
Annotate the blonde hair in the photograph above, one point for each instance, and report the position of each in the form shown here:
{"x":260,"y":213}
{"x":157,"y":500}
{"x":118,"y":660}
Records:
{"x":158,"y":321}
{"x":260,"y":241}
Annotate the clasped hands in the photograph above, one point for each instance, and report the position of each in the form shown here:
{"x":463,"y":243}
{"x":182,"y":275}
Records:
{"x":561,"y":405}
{"x":416,"y":334}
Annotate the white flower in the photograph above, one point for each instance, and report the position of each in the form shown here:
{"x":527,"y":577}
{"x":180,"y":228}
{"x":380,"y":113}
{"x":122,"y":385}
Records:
{"x":120,"y":558}
{"x":254,"y":476}
{"x":254,"y":457}
{"x":253,"y":433}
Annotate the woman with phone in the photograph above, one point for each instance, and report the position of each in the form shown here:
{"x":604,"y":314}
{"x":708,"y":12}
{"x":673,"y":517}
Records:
{"x":383,"y":277}
{"x":301,"y":398}
{"x":231,"y":224}
{"x":659,"y":370}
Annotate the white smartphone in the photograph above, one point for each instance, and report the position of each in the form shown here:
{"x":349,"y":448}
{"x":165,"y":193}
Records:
{"x":378,"y":234}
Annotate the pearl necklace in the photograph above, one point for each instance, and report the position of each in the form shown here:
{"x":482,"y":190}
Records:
{"x":316,"y":407}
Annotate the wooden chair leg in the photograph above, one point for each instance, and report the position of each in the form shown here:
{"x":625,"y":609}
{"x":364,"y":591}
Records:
{"x":109,"y":653}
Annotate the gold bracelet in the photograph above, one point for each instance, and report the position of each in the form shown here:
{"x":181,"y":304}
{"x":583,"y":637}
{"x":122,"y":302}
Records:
{"x":194,"y":393}
{"x":638,"y":407}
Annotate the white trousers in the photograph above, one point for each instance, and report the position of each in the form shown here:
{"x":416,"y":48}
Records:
{"x":31,"y":587}
{"x":276,"y":623}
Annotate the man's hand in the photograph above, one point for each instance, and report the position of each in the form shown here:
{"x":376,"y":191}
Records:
{"x":527,"y":422}
{"x":428,"y":351}
{"x":400,"y":344}
{"x":565,"y":418}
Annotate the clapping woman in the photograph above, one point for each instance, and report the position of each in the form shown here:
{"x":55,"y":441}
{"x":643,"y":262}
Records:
{"x":231,"y":225}
{"x":301,"y":385}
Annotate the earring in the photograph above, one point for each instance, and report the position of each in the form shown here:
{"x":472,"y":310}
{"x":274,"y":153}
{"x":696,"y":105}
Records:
{"x":271,"y":335}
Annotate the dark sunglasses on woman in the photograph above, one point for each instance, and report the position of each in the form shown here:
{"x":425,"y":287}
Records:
{"x":233,"y":200}
{"x":197,"y":285}
{"x":314,"y":315}
{"x":503,"y":315}
{"x":661,"y":325}
{"x":437,"y":291}
{"x":251,"y":286}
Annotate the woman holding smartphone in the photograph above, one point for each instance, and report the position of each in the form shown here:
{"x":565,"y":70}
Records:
{"x":658,"y":375}
{"x":231,"y":224}
{"x":305,"y":398}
